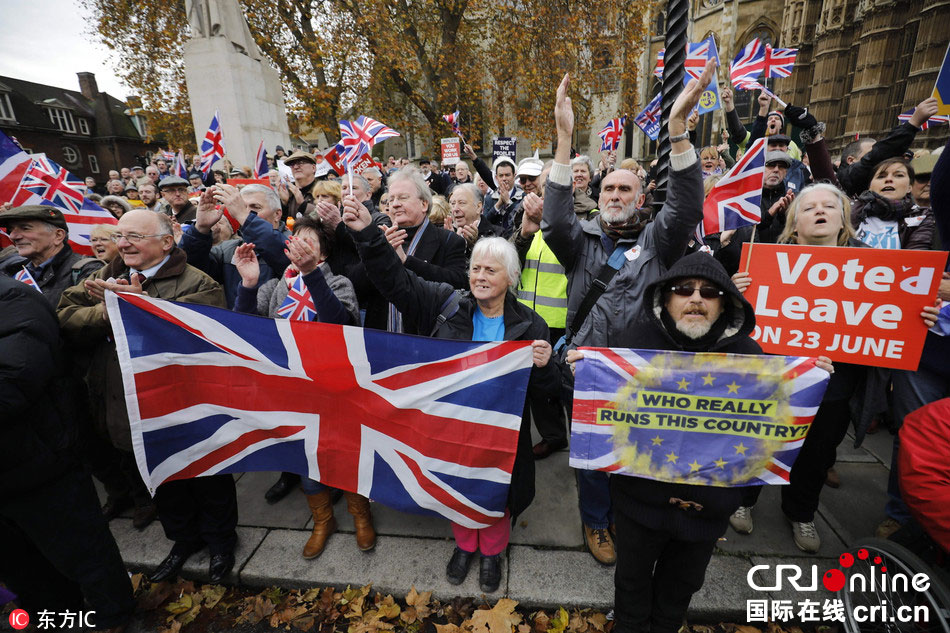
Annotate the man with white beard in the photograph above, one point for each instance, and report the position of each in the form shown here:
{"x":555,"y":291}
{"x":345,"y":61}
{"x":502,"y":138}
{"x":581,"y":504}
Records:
{"x":625,"y":251}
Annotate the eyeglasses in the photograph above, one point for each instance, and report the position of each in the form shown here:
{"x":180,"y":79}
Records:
{"x":133,"y":238}
{"x":706,"y":292}
{"x":922,"y":177}
{"x":527,"y":178}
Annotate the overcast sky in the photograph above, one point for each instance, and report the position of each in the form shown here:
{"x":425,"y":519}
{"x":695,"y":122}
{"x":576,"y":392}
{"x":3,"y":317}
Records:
{"x":44,"y":42}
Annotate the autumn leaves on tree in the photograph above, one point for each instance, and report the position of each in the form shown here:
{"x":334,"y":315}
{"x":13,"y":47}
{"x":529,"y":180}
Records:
{"x":405,"y":62}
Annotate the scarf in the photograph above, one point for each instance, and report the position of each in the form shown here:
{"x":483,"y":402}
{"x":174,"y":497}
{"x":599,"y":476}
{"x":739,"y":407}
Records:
{"x":628,"y":230}
{"x":873,"y":205}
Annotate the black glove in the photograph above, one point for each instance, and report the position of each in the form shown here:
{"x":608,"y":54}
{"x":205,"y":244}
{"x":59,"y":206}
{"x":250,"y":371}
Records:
{"x":800,"y":118}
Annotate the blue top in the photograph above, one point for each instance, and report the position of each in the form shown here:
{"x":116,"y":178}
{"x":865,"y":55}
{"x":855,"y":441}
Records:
{"x":487,"y":328}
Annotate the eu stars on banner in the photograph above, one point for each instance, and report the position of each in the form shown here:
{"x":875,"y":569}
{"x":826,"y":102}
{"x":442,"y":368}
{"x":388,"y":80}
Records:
{"x":706,"y":419}
{"x":422,"y":425}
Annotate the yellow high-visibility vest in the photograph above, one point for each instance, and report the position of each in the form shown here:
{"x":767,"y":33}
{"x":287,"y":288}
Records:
{"x":543,"y":286}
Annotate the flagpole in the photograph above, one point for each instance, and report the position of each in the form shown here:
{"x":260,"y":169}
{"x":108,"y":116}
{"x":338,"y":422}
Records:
{"x":748,"y":258}
{"x":677,"y":19}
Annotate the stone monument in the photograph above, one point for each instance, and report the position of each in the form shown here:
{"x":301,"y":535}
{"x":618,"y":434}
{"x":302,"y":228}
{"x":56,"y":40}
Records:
{"x":225,"y":72}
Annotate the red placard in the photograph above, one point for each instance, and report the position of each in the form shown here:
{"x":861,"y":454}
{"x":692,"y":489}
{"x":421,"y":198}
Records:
{"x":365,"y":162}
{"x":249,"y":181}
{"x":854,"y":305}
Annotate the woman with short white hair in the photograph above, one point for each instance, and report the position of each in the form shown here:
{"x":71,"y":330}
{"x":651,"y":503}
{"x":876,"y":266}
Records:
{"x":490,"y":311}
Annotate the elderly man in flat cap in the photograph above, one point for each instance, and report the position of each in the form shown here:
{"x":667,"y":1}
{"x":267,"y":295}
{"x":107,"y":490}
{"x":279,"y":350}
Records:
{"x":40,"y":235}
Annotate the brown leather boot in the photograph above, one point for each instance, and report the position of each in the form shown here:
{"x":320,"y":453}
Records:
{"x":323,"y":524}
{"x":358,"y":506}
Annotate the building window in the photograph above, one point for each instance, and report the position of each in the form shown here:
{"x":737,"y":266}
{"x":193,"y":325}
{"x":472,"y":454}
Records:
{"x":83,"y":126}
{"x":71,"y":156}
{"x":6,"y":109}
{"x":63,"y":119}
{"x":93,"y":164}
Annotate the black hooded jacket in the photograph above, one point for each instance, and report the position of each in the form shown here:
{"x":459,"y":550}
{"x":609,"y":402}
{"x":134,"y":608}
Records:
{"x":648,"y":501}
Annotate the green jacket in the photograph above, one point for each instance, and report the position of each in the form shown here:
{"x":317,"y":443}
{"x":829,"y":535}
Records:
{"x":83,"y":325}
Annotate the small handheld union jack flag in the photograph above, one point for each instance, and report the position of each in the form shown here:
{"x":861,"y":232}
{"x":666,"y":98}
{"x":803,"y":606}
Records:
{"x":358,"y":137}
{"x":611,"y":134}
{"x":749,"y":63}
{"x":734,"y":200}
{"x":212,"y":147}
{"x":453,"y":120}
{"x":49,"y":181}
{"x":298,"y":306}
{"x":658,"y":71}
{"x":779,"y":61}
{"x":25,"y":276}
{"x":166,"y":154}
{"x":180,"y":169}
{"x":649,"y":119}
{"x":937,"y":119}
{"x":260,"y":163}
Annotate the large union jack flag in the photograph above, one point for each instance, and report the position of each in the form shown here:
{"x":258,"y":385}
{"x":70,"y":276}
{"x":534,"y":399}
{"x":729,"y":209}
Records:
{"x":735,"y":200}
{"x":423,"y":425}
{"x":212,"y":147}
{"x":298,"y":305}
{"x":696,"y":57}
{"x":708,"y":419}
{"x":358,"y":137}
{"x":937,"y":119}
{"x":51,"y":183}
{"x":649,"y":119}
{"x":610,"y":135}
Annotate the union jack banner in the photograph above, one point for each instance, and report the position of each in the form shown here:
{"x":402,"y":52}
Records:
{"x":298,"y":305}
{"x":358,"y":137}
{"x":749,"y":63}
{"x":453,"y":120}
{"x":260,"y":162}
{"x":25,"y":276}
{"x":779,"y":61}
{"x":14,"y":163}
{"x":212,"y":147}
{"x":180,"y":169}
{"x":649,"y":119}
{"x":708,"y":419}
{"x":937,"y":119}
{"x":610,"y":135}
{"x":735,"y":200}
{"x":428,"y":426}
{"x":49,"y":182}
{"x":658,"y":71}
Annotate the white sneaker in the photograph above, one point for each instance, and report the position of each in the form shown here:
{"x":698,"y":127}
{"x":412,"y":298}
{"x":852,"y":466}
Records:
{"x":741,"y":520}
{"x":806,"y":536}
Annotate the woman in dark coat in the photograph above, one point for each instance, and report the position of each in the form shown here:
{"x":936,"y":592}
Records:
{"x":489,"y":312}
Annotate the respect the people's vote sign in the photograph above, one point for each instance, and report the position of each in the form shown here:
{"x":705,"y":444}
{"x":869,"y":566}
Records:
{"x":854,"y":305}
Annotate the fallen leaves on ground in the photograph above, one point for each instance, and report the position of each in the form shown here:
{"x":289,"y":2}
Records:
{"x":184,"y":607}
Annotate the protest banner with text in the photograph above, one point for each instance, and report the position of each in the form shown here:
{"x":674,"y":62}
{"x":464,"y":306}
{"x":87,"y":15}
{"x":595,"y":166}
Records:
{"x":854,"y":305}
{"x":451,"y":151}
{"x":504,"y":146}
{"x":708,"y":419}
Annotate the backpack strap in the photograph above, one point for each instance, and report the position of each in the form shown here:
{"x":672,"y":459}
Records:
{"x":448,"y":310}
{"x":597,"y":288}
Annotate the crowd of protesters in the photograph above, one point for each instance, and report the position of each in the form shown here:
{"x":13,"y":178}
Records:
{"x":473,"y":251}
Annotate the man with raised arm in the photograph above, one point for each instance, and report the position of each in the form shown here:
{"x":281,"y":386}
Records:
{"x":644,"y":250}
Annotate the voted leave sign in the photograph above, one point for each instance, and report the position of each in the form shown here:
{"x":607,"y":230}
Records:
{"x":854,"y":305}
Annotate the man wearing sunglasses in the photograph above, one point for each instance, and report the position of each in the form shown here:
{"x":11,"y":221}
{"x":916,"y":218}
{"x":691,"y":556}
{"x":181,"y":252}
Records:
{"x":664,"y":547}
{"x":195,"y":513}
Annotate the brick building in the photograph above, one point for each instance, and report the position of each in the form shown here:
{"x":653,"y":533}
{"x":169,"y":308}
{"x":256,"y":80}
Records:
{"x":88,"y":132}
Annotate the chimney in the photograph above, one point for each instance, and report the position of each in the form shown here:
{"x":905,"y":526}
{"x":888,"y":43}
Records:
{"x":87,"y":85}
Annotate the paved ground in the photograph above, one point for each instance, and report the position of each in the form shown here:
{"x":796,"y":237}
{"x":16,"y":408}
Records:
{"x":546,"y":564}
